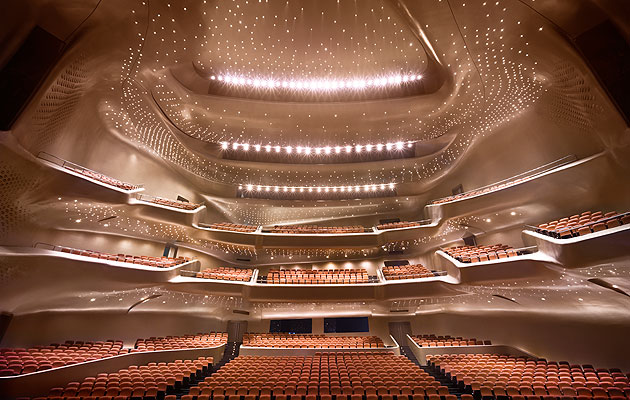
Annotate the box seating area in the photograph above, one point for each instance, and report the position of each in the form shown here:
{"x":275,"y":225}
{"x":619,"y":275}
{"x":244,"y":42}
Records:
{"x":17,"y":361}
{"x":199,"y":340}
{"x":583,"y":224}
{"x":313,"y":277}
{"x":396,"y":225}
{"x":492,"y":375}
{"x":447,"y":340}
{"x":227,"y":226}
{"x":174,"y":203}
{"x":473,"y":254}
{"x":407,"y":272}
{"x":313,"y":229}
{"x":227,"y":274}
{"x":311,"y":341}
{"x":157,"y":262}
{"x":103,"y":178}
{"x":477,"y":192}
{"x":151,"y":381}
{"x":325,"y":376}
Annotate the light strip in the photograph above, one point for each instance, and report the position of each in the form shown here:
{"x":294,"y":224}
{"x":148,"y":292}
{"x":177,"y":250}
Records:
{"x":317,"y":189}
{"x":320,"y":85}
{"x":307,"y":150}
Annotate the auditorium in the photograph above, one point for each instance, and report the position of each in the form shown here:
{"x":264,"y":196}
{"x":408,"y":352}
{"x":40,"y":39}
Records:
{"x":315,"y":200}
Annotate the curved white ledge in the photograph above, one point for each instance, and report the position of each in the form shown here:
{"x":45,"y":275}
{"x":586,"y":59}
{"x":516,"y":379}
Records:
{"x":133,"y":201}
{"x":386,"y":290}
{"x":147,"y":209}
{"x":55,"y":258}
{"x":421,"y":353}
{"x":534,"y":264}
{"x":593,"y":248}
{"x":363,"y":240}
{"x":40,"y":382}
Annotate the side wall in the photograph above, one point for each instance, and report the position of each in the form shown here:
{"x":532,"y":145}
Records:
{"x":54,"y":327}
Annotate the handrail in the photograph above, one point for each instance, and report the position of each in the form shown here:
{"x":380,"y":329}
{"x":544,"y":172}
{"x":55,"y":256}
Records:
{"x":527,"y":174}
{"x":81,"y":169}
{"x":42,"y":245}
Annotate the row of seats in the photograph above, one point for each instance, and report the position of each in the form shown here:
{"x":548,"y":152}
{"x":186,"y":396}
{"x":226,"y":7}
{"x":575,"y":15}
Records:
{"x":414,"y":271}
{"x":478,"y":192}
{"x":583,"y":224}
{"x":492,"y":375}
{"x":227,"y":274}
{"x":157,"y":262}
{"x":396,"y":225}
{"x":199,"y":340}
{"x":473,"y":254}
{"x":227,"y":226}
{"x":17,"y":361}
{"x":314,"y":229}
{"x":312,"y":277}
{"x":153,"y":380}
{"x":431,"y":340}
{"x":103,"y":178}
{"x":183,"y":205}
{"x":311,"y":341}
{"x":360,"y":375}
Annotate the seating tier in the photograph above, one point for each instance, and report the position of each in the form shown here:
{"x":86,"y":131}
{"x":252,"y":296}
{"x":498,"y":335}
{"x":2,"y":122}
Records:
{"x":407,"y":272}
{"x":226,"y":274}
{"x":492,"y":375}
{"x":314,"y":277}
{"x":583,"y":224}
{"x":473,"y":254}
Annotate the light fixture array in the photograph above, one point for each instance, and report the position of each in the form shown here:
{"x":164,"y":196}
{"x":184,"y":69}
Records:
{"x":326,"y":150}
{"x":322,"y":85}
{"x":318,"y":189}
